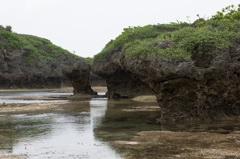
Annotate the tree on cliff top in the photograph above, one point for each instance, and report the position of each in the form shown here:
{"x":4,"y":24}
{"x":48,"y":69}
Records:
{"x":7,"y":28}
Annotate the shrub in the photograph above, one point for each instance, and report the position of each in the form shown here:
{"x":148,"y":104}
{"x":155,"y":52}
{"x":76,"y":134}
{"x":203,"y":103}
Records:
{"x":40,"y":49}
{"x":147,"y":49}
{"x":9,"y":40}
{"x":229,"y":13}
{"x":137,"y":33}
{"x":202,"y":37}
{"x":202,"y":41}
{"x":7,"y":28}
{"x":89,"y":60}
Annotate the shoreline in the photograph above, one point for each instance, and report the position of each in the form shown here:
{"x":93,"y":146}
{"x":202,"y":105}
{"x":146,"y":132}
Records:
{"x":28,"y":108}
{"x":62,"y":100}
{"x":17,"y":108}
{"x":60,"y":90}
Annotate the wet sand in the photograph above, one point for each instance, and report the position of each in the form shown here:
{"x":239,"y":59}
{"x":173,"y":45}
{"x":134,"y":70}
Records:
{"x":15,"y":108}
{"x":100,"y":89}
{"x":23,"y":107}
{"x":187,"y":145}
{"x":62,"y":90}
{"x":146,"y":98}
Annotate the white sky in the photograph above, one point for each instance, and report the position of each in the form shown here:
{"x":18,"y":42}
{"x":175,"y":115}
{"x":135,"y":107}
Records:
{"x":86,"y":26}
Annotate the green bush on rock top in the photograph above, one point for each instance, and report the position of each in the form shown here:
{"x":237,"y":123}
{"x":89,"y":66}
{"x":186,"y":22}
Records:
{"x":136,"y":33}
{"x":205,"y":37}
{"x":88,"y":60}
{"x":39,"y":49}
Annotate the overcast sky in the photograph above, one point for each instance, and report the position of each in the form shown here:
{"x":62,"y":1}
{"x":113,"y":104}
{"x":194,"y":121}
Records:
{"x":85,"y":26}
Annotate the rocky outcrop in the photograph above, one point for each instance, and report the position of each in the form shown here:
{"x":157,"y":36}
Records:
{"x":97,"y":80}
{"x":79,"y":76}
{"x":17,"y":72}
{"x":204,"y":87}
{"x":120,"y":83}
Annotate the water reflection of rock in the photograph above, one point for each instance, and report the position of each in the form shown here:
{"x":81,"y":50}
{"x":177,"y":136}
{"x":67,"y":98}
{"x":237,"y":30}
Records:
{"x":130,"y":133}
{"x":124,"y":118}
{"x":65,"y":132}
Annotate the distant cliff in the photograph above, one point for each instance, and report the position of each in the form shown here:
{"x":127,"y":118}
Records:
{"x":28,"y":61}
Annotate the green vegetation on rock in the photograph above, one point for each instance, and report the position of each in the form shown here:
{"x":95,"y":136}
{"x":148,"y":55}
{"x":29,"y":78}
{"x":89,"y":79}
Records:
{"x":201,"y":37}
{"x":39,"y":49}
{"x":89,"y":60}
{"x":132,"y":34}
{"x":7,"y":28}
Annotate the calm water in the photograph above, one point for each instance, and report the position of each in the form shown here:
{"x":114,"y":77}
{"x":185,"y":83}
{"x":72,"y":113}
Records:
{"x":82,"y":129}
{"x":8,"y":97}
{"x":66,"y":132}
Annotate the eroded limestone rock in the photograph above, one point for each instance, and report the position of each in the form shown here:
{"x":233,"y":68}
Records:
{"x":120,"y":83}
{"x":204,"y":87}
{"x":79,"y":76}
{"x":17,"y":72}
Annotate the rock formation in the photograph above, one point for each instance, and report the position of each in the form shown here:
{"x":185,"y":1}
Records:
{"x":27,"y":61}
{"x":79,"y":76}
{"x":204,"y":87}
{"x":120,"y":83}
{"x":192,"y":68}
{"x":15,"y":72}
{"x":97,"y":80}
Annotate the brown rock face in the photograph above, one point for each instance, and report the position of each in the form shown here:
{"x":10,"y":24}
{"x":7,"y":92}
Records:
{"x":16,"y":72}
{"x":205,"y":87}
{"x":79,"y":76}
{"x":120,"y":83}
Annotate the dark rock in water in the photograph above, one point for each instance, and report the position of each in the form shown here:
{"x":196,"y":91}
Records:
{"x":204,"y":87}
{"x":79,"y":76}
{"x":120,"y":83}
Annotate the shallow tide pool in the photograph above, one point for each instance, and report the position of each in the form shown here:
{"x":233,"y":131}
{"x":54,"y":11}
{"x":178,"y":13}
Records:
{"x":64,"y":133}
{"x":99,"y":128}
{"x":18,"y":96}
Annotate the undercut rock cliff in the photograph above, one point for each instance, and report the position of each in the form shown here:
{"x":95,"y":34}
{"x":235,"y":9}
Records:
{"x":206,"y":87}
{"x":192,"y":68}
{"x":120,"y":83}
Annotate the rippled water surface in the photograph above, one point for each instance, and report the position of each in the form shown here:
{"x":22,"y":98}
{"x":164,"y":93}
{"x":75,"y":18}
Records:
{"x":84,"y":128}
{"x":66,"y":132}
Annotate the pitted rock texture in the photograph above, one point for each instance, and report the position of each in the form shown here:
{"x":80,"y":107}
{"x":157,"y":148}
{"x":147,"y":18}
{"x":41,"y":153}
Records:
{"x":206,"y":87}
{"x":15,"y":72}
{"x":79,"y":76}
